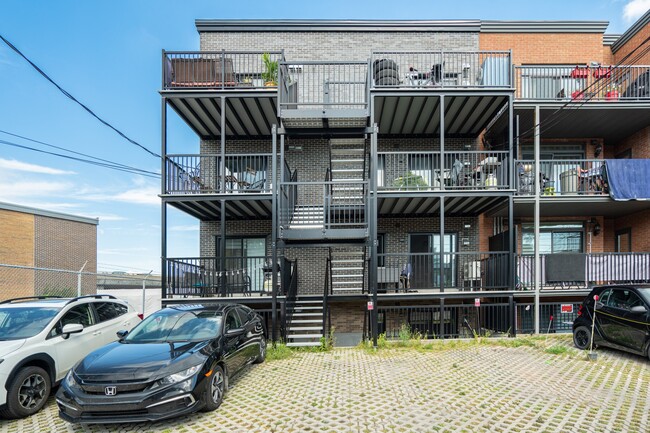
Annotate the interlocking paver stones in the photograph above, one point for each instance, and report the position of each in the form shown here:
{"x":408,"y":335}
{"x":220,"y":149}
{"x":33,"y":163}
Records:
{"x":448,"y":387}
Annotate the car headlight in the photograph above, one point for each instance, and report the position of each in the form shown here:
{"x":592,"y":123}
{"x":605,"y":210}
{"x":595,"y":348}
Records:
{"x":70,"y":380}
{"x":177,"y":377}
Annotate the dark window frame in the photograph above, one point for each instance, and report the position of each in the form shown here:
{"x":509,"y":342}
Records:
{"x":626,"y":231}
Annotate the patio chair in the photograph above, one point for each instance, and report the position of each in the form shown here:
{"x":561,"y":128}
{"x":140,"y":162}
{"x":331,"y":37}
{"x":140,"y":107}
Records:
{"x":202,"y":72}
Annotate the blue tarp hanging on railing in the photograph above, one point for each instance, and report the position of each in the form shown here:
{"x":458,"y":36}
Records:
{"x":628,"y":179}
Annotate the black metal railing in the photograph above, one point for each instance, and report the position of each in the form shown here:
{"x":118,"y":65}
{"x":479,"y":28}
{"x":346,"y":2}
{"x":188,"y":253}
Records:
{"x":554,"y":317}
{"x":328,"y":204}
{"x":228,"y":276}
{"x":327,"y":290}
{"x":455,"y":170}
{"x":220,"y":69}
{"x":324,"y":85}
{"x":582,"y":83}
{"x":289,"y":304}
{"x":465,"y":271}
{"x":562,"y":177}
{"x":208,"y":174}
{"x":421,"y":69}
{"x":593,"y":268}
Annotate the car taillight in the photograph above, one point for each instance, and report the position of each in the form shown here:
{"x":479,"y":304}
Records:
{"x":580,"y":310}
{"x":141,"y":316}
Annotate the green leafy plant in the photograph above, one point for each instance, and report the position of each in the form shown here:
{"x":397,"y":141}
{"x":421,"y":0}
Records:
{"x":270,"y":74}
{"x":277,"y":352}
{"x":410,"y":180}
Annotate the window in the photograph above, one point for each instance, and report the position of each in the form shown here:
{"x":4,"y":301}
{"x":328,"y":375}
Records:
{"x":109,"y":310}
{"x":80,"y":314}
{"x":243,"y":316}
{"x":623,"y":243}
{"x":232,"y":320}
{"x":381,"y":249}
{"x":624,"y":299}
{"x":554,"y":238}
{"x":245,"y":254}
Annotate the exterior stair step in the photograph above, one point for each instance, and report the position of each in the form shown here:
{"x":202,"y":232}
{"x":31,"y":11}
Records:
{"x":307,"y":314}
{"x":306,"y":321}
{"x":300,"y":336}
{"x":303,"y":344}
{"x":305,"y":328}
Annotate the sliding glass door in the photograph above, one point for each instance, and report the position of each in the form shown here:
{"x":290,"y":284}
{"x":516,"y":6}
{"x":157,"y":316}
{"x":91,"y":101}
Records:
{"x":428,"y":268}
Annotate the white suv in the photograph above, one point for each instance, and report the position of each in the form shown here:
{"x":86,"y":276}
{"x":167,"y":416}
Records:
{"x":41,"y":338}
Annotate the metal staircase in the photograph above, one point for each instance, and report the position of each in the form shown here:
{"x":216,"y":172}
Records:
{"x":348,"y":168}
{"x":348,"y":269}
{"x":305,"y":326}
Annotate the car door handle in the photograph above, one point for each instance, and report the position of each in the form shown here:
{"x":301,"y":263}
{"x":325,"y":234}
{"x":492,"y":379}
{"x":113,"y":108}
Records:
{"x":97,"y":332}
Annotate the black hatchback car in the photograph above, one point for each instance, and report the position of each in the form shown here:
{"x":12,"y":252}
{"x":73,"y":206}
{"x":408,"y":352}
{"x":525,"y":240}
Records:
{"x":177,"y":360}
{"x":622,"y":319}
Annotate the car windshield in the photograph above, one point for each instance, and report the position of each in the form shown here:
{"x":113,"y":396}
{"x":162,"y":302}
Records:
{"x":171,"y":325}
{"x":645,"y":292}
{"x":23,"y":322}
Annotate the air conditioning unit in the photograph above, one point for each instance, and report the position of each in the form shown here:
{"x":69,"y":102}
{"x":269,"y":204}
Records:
{"x":472,"y":270}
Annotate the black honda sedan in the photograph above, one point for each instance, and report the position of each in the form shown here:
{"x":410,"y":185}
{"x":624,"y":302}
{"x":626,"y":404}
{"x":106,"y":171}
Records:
{"x":622,"y":319}
{"x":177,"y":360}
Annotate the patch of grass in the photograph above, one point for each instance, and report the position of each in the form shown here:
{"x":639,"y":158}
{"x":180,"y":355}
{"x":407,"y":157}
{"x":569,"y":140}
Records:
{"x":278,"y":351}
{"x":557,"y":350}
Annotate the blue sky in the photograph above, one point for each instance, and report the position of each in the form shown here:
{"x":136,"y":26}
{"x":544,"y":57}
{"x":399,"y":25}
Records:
{"x":108,"y":55}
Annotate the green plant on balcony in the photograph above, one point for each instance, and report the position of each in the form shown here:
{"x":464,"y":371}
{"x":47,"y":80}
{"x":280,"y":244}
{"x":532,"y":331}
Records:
{"x":270,"y":73}
{"x":410,"y":180}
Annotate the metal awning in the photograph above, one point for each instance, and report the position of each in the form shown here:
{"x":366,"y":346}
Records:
{"x":417,"y":203}
{"x":208,"y":207}
{"x":249,"y":114}
{"x":409,"y":112}
{"x":587,"y":206}
{"x":610,"y":120}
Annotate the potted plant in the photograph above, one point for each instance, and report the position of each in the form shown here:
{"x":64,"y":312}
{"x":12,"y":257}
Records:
{"x":410,"y":180}
{"x":612,"y":93}
{"x":270,"y":74}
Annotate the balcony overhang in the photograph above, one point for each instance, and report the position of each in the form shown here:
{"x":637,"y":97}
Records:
{"x":611,"y":120}
{"x":587,"y":206}
{"x":413,"y":111}
{"x":417,"y":203}
{"x":249,"y":113}
{"x":238,"y":206}
{"x":319,"y":118}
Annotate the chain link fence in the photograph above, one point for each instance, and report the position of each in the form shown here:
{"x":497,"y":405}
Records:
{"x":142,"y":291}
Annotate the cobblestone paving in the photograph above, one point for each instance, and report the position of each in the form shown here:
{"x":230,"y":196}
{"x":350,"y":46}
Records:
{"x":465,"y":387}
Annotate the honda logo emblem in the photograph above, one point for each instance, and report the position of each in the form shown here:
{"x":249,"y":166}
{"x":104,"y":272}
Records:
{"x":110,"y":390}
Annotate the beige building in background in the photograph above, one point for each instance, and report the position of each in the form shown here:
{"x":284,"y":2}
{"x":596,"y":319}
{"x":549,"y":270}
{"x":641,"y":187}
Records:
{"x":40,"y":240}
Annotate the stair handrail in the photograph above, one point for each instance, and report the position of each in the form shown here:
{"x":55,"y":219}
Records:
{"x":327,"y":196}
{"x":290,"y":193}
{"x":326,"y":292}
{"x":291,"y":295}
{"x":366,"y":261}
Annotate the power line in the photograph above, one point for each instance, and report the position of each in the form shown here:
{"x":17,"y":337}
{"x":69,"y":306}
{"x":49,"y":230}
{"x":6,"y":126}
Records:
{"x":67,"y":94}
{"x":100,"y":164}
{"x":72,"y":151}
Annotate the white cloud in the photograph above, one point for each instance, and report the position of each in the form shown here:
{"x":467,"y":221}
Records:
{"x":634,"y":9}
{"x":145,"y":195}
{"x":12,"y":164}
{"x":19,"y":190}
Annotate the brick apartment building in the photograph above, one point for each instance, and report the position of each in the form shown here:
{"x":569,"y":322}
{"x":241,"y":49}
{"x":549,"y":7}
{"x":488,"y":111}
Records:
{"x":33,"y":240}
{"x":363,"y":175}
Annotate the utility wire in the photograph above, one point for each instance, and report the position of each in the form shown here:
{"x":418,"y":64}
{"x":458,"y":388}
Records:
{"x":67,"y":94}
{"x":87,"y":161}
{"x":73,"y":152}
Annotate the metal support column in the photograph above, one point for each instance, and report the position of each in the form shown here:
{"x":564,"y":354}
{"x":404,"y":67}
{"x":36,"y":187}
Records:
{"x":512,"y":248}
{"x":222,"y":167}
{"x":163,"y":208}
{"x":442,"y":198}
{"x":274,"y":233}
{"x":538,"y":264}
{"x":372,"y":272}
{"x":441,"y":332}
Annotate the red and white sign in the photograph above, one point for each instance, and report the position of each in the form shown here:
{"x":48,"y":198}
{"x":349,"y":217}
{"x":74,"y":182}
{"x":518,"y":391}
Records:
{"x":477,"y":302}
{"x":371,"y":306}
{"x":566,"y":308}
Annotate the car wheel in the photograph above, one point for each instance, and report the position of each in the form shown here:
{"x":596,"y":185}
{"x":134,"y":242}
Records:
{"x":582,"y":337}
{"x":27,"y":393}
{"x":262,"y":355}
{"x":215,"y":389}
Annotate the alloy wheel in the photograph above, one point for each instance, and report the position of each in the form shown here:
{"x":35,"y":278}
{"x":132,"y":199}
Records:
{"x":32,"y":391}
{"x":581,"y":338}
{"x":217,"y":386}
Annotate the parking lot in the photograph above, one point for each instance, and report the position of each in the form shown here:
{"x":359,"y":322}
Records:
{"x":497,"y":386}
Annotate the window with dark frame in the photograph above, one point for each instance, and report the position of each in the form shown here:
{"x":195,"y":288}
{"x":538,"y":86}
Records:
{"x":623,"y":240}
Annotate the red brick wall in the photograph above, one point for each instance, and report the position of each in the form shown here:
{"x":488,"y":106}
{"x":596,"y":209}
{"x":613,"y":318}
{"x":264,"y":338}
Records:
{"x":630,"y":45}
{"x":639,"y":142}
{"x":546,"y":48}
{"x":640,"y":225}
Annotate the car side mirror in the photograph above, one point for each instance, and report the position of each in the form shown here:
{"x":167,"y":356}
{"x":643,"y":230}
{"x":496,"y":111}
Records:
{"x":639,"y":309}
{"x":235,"y":332}
{"x":122,"y":333}
{"x":71,"y":328}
